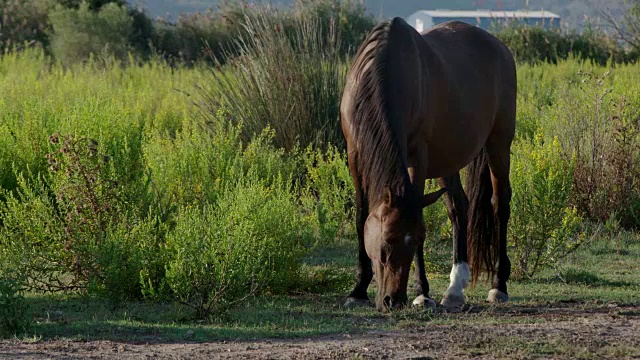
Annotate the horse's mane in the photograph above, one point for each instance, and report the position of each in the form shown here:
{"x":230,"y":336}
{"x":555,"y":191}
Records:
{"x":380,"y":161}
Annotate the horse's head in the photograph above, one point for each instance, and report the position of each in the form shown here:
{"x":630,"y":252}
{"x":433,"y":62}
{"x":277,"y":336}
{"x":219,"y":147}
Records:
{"x":392,"y":233}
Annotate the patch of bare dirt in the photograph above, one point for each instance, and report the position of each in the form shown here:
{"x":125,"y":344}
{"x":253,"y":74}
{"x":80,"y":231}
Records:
{"x":551,"y":331}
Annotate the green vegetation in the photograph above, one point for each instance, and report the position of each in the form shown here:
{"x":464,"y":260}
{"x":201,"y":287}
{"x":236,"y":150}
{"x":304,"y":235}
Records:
{"x":149,"y":194}
{"x":74,"y":31}
{"x":115,"y":188}
{"x":532,"y":44}
{"x":292,"y":83}
{"x":572,"y":11}
{"x":591,"y":278}
{"x":545,"y":227}
{"x":14,"y":317}
{"x":80,"y":33}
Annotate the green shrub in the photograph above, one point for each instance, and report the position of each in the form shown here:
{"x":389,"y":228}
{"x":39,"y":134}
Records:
{"x":195,"y":37}
{"x":38,"y":99}
{"x":93,"y":4}
{"x":291,"y":83}
{"x":80,"y":33}
{"x":602,"y":131}
{"x":13,"y":308}
{"x":544,"y":227}
{"x":535,"y":44}
{"x":126,"y":260}
{"x":72,"y":230}
{"x":87,"y":201}
{"x":250,"y":241}
{"x":32,"y":237}
{"x":328,"y":194}
{"x":210,"y":35}
{"x":439,"y":233}
{"x":199,"y":162}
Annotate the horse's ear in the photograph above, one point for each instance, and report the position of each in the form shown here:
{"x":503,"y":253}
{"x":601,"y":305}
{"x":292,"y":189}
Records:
{"x":430,"y":198}
{"x":389,"y":198}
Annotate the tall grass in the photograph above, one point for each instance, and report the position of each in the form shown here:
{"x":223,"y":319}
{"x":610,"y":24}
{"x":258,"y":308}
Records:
{"x":288,"y":76}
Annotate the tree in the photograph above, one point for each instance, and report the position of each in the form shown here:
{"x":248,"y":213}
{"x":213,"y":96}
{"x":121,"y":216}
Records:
{"x":626,"y":27}
{"x":23,"y":21}
{"x":93,"y":4}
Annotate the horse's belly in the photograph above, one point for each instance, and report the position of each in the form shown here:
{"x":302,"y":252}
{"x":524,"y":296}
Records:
{"x":449,"y":152}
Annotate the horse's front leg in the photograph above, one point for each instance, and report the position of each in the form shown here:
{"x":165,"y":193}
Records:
{"x":364,"y":273}
{"x":421,"y":281}
{"x":422,"y":284}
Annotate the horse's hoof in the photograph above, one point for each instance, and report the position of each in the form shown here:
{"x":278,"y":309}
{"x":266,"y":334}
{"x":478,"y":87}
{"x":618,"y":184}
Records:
{"x":352,"y":303}
{"x":452,"y":301}
{"x":497,"y":296}
{"x":425,"y":302}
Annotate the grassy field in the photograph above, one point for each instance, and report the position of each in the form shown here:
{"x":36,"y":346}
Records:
{"x":177,"y":182}
{"x":601,"y":278}
{"x":604,"y":272}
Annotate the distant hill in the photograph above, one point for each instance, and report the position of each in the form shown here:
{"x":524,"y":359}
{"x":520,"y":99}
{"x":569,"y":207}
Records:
{"x":573,"y":12}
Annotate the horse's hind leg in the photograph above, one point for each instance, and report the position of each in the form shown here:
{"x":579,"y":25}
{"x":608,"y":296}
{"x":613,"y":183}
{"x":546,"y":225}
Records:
{"x":457,"y":209}
{"x":498,"y":150}
{"x":365,"y":273}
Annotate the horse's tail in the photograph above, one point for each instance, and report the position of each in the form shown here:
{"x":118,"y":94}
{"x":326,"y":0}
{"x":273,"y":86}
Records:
{"x":482,"y":231}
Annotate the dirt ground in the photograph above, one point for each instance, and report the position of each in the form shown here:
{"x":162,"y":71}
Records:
{"x":559,"y":331}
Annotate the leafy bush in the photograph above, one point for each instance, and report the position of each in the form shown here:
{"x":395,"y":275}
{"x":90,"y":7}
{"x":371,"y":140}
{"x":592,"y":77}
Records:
{"x":78,"y":34}
{"x":328,"y":194}
{"x":292,"y":84}
{"x":125,"y":261}
{"x":71,"y":230}
{"x":13,"y":308}
{"x":535,"y":44}
{"x":211,"y":35}
{"x":93,"y":4}
{"x":195,"y":37}
{"x":201,"y":161}
{"x":602,"y":131}
{"x":87,"y":203}
{"x":250,"y":241}
{"x":544,"y":227}
{"x":32,"y":238}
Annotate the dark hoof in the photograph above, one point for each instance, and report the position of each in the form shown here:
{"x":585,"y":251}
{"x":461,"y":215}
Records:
{"x":452,"y":301}
{"x":353,"y":303}
{"x":423,"y":301}
{"x":497,"y":296}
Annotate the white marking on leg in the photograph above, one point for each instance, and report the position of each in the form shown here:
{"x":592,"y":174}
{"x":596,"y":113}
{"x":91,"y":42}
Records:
{"x":459,"y":277}
{"x":497,"y":296}
{"x":424,"y":301}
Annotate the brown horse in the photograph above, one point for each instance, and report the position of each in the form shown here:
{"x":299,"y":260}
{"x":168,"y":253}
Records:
{"x":419,"y":107}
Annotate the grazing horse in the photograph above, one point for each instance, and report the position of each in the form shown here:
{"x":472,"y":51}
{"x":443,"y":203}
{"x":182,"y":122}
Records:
{"x":424,"y":106}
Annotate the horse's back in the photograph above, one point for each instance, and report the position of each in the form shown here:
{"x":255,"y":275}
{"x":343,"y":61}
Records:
{"x":475,"y":62}
{"x":479,"y":74}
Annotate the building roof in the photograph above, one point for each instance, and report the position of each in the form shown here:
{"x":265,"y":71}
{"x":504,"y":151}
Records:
{"x":518,"y":14}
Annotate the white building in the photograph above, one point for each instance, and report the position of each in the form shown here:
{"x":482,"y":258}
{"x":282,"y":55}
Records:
{"x":424,"y":19}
